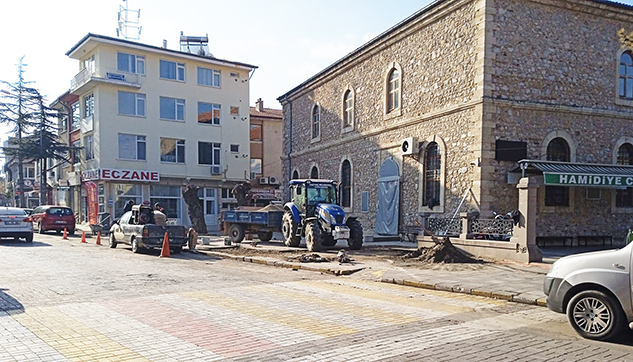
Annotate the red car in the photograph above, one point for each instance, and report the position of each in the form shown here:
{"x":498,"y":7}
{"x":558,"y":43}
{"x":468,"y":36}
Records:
{"x":52,"y":217}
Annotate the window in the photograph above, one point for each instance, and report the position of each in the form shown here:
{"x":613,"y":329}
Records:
{"x":210,"y":77}
{"x":557,"y":150}
{"x":172,"y":70}
{"x":76,"y":147}
{"x":234,"y":111}
{"x":393,"y":89}
{"x":364,"y":201}
{"x":227,"y":193}
{"x":348,"y":106}
{"x":132,"y":147}
{"x":346,"y":184}
{"x":314,"y":173}
{"x":209,"y":113}
{"x":256,"y":167}
{"x":89,"y":64}
{"x":132,"y":104}
{"x":235,"y":148}
{"x":168,"y":197}
{"x":316,"y":123}
{"x":256,"y":132}
{"x":130,"y":63}
{"x":209,"y":153}
{"x":76,"y":122}
{"x":29,"y":172}
{"x":432,"y":175}
{"x":89,"y":105}
{"x":295,"y":175}
{"x":89,"y":147}
{"x":172,"y":150}
{"x":624,"y":198}
{"x":625,"y":82}
{"x":124,"y":193}
{"x":172,"y":109}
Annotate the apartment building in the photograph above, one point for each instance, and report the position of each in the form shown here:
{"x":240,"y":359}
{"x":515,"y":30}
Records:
{"x":151,"y":120}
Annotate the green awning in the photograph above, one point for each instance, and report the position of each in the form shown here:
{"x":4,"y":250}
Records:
{"x":578,"y":174}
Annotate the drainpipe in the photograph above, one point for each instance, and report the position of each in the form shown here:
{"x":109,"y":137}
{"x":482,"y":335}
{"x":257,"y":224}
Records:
{"x":290,"y":143}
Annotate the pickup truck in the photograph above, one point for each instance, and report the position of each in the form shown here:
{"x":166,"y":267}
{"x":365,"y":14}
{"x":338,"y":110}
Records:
{"x":594,"y":290}
{"x":137,"y":228}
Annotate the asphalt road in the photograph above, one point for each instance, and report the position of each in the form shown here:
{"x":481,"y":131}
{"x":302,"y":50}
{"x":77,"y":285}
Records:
{"x":61,"y":300}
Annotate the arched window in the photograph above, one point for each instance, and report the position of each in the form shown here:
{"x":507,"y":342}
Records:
{"x":346,"y":184}
{"x":316,"y":122}
{"x":295,"y":175}
{"x":557,"y":150}
{"x":348,"y":107}
{"x":314,"y":173}
{"x":625,"y":82}
{"x":624,"y":198}
{"x":393,"y":90}
{"x":432,"y":175}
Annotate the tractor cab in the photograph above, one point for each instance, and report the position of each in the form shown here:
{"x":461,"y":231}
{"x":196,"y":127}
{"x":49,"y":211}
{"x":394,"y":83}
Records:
{"x":307,"y":194}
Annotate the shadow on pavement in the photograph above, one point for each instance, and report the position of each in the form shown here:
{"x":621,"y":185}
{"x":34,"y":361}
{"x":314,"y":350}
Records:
{"x":22,"y":243}
{"x":9,"y":304}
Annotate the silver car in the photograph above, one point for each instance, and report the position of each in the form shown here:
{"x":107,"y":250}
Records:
{"x":594,"y":290}
{"x":14,"y":222}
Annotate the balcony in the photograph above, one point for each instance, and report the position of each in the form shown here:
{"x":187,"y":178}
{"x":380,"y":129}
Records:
{"x":89,"y":78}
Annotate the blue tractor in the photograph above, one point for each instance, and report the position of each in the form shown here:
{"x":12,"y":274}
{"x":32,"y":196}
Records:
{"x":314,"y":213}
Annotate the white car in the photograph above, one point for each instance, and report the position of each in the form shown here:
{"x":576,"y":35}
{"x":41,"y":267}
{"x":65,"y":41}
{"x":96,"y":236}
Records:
{"x":594,"y":290}
{"x":14,"y":222}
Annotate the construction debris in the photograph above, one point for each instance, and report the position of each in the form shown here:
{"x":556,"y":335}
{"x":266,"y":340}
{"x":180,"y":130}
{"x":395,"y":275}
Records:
{"x":342,"y":257}
{"x":311,"y":258}
{"x":442,"y":252}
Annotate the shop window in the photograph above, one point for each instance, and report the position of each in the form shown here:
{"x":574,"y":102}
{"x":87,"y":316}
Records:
{"x":624,"y":198}
{"x":346,"y":184}
{"x":432,"y":175}
{"x":168,"y":197}
{"x":124,"y":193}
{"x":557,"y":150}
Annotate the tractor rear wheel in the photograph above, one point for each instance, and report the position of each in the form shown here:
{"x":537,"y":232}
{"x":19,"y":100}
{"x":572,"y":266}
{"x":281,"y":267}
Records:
{"x":355,"y":240}
{"x":313,"y":237}
{"x":289,"y":230}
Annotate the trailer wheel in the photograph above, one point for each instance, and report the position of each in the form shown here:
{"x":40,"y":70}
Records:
{"x":289,"y":230}
{"x":236,"y":232}
{"x":265,"y":235}
{"x":313,"y":237}
{"x":355,"y":240}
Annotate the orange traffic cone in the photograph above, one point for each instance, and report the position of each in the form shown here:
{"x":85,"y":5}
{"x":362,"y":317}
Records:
{"x":99,"y":238}
{"x":83,"y":237}
{"x":65,"y":235}
{"x":164,"y":252}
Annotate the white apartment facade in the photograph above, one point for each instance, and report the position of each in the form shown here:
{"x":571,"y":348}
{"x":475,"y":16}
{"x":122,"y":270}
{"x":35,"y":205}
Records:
{"x":152,"y":120}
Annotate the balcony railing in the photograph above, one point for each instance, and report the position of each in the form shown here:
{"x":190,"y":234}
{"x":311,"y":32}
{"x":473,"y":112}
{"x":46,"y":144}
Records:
{"x":106,"y":76}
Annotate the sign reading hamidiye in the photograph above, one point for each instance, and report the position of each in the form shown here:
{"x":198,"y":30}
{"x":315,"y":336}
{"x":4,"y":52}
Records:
{"x":120,"y":175}
{"x":567,"y":179}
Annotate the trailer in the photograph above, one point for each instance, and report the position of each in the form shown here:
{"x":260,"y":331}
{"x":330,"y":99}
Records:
{"x":252,"y":220}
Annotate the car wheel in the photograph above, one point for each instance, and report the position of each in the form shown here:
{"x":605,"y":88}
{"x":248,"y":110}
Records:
{"x":313,"y":237}
{"x":71,"y":232}
{"x":289,"y":230}
{"x":135,"y":247}
{"x":58,"y":232}
{"x":16,"y":238}
{"x":112,"y":240}
{"x":176,"y":250}
{"x":595,"y":315}
{"x":39,"y":228}
{"x":236,"y":232}
{"x":29,"y":238}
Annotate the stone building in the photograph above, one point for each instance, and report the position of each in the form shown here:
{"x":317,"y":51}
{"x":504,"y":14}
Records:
{"x":430,"y":119}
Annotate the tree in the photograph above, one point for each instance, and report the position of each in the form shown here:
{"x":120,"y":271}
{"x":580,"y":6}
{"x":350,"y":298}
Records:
{"x":194,"y":208}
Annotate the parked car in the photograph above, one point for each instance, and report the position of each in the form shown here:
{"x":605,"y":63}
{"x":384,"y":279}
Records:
{"x":14,"y":222}
{"x":28,"y":211}
{"x":53,"y":217}
{"x":594,"y":289}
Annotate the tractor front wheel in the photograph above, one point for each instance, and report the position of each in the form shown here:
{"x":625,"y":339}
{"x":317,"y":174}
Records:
{"x":313,"y":237}
{"x":355,"y":240}
{"x":289,"y":230}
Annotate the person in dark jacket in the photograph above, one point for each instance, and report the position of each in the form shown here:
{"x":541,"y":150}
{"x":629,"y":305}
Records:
{"x":128,"y":206}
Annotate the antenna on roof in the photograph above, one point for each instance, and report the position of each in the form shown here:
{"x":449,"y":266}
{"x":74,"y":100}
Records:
{"x":126,"y":23}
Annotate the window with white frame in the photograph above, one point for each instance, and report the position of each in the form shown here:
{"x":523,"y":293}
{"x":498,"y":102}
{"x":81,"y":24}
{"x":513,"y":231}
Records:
{"x":124,"y":193}
{"x":348,"y":108}
{"x":29,"y":172}
{"x":89,"y":147}
{"x":625,"y":81}
{"x":76,"y":122}
{"x":172,"y":150}
{"x":209,"y":153}
{"x":89,"y":64}
{"x":208,"y":77}
{"x":235,"y":148}
{"x":393,"y":90}
{"x":172,"y":70}
{"x":256,"y":167}
{"x":209,"y":113}
{"x":75,"y":147}
{"x":132,"y":104}
{"x":316,"y":123}
{"x":130,"y":63}
{"x":172,"y":109}
{"x":168,"y":197}
{"x":89,"y":105}
{"x":132,"y":147}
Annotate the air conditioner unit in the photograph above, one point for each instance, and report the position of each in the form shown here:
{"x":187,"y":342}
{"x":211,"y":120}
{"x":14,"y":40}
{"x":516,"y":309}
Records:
{"x":263,"y":181}
{"x":409,"y":146}
{"x":216,"y":170}
{"x":273,"y":180}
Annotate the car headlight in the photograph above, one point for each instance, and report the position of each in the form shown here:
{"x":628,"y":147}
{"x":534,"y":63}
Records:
{"x":555,"y":267}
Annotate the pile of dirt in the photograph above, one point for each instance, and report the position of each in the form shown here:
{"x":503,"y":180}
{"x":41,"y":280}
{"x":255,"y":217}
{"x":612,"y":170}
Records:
{"x":442,"y":252}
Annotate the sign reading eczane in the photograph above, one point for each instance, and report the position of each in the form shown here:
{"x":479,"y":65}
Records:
{"x":569,"y":179}
{"x":120,"y":175}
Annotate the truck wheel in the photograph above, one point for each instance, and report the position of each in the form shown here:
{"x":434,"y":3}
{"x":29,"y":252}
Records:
{"x":265,"y":235}
{"x":327,"y":240}
{"x":313,"y":237}
{"x":289,"y":230}
{"x":135,"y":247}
{"x":595,"y":315}
{"x":355,"y":241}
{"x":176,"y":250}
{"x":113,"y":242}
{"x":236,"y":232}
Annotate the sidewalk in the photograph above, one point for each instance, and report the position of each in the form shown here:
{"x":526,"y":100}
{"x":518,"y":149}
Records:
{"x":510,"y":281}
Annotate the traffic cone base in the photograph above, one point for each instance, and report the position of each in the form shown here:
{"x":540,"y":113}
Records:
{"x":99,"y":238}
{"x":164,"y":252}
{"x":83,"y":237}
{"x":65,"y":237}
